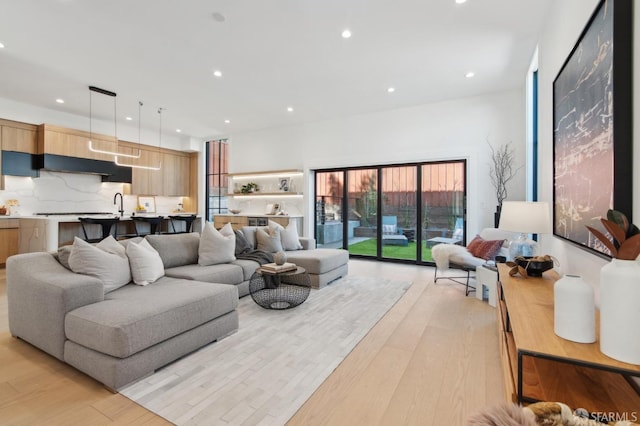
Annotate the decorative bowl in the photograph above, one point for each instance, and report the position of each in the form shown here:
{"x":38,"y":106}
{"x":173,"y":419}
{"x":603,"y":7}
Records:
{"x":234,"y":211}
{"x":534,"y":267}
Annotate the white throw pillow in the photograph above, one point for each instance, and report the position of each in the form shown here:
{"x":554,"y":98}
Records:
{"x":145,"y":261}
{"x":269,"y":240}
{"x":290,"y":237}
{"x":106,"y":261}
{"x":216,"y":246}
{"x":389,"y":229}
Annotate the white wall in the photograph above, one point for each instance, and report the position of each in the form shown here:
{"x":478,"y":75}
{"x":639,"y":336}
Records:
{"x":566,"y":21}
{"x":457,"y":129}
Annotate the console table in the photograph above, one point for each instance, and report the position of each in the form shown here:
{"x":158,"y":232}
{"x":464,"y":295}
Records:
{"x":540,"y":366}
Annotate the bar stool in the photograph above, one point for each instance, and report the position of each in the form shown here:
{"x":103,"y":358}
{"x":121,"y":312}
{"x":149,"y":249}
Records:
{"x":188,"y":219}
{"x":106,"y":223}
{"x":154,"y":224}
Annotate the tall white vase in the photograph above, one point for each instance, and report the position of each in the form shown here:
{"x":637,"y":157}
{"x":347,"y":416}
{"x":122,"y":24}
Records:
{"x":574,"y":309}
{"x":620,"y":310}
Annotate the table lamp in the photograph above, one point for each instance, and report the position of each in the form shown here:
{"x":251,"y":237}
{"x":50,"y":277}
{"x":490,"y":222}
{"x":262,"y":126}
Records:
{"x":524,"y":217}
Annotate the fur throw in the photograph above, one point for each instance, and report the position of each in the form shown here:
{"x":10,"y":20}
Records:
{"x":540,"y":413}
{"x":442,"y":252}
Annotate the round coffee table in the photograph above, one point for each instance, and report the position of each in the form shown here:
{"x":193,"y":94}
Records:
{"x":282,"y":290}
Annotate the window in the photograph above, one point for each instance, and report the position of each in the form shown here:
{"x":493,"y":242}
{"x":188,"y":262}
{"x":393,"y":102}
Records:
{"x":216,"y":177}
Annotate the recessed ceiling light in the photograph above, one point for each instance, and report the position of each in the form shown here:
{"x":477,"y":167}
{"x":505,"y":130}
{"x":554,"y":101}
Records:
{"x":290,"y":109}
{"x":461,"y":1}
{"x":217,"y":73}
{"x":60,"y":101}
{"x":391,"y":89}
{"x":469,"y":74}
{"x":128,"y":118}
{"x":218,"y":17}
{"x":1,"y":46}
{"x":346,"y":33}
{"x":227,"y":121}
{"x":178,"y":130}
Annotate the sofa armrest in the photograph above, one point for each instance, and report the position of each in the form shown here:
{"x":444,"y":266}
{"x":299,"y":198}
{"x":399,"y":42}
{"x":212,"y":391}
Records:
{"x":307,"y":243}
{"x":40,"y":292}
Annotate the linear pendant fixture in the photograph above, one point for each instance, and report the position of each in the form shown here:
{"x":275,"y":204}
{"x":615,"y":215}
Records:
{"x":135,"y":166}
{"x":115,"y":125}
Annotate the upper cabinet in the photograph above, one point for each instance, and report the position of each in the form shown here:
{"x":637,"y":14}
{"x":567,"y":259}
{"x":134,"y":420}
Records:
{"x":74,"y":143}
{"x":277,"y":183}
{"x":17,"y":137}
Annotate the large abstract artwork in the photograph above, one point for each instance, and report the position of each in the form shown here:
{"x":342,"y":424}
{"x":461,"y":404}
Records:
{"x":592,"y":126}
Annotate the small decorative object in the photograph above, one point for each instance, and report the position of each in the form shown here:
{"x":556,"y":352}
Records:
{"x":620,"y":289}
{"x":501,"y":171}
{"x":147,"y":202}
{"x":530,"y":266}
{"x":249,"y":188}
{"x":3,"y":210}
{"x":12,"y":206}
{"x":234,"y":211}
{"x":574,"y":309}
{"x":284,"y":184}
{"x":280,"y":258}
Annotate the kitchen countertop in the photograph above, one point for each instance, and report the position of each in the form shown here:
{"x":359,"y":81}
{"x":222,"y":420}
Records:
{"x":75,"y":218}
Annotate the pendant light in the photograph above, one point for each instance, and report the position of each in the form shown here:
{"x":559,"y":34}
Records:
{"x":115,"y":125}
{"x":135,"y":166}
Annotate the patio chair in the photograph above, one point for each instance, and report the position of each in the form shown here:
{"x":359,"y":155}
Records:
{"x":391,"y":234}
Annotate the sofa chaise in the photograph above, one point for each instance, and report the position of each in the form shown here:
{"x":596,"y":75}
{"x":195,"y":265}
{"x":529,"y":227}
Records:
{"x":121,"y":335}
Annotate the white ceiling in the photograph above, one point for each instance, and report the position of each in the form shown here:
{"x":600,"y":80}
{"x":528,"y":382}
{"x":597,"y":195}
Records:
{"x":272,"y":53}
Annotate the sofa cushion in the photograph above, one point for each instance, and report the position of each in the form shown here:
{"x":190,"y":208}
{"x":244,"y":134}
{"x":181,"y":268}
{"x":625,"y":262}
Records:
{"x":145,"y":262}
{"x":216,"y":247}
{"x":176,"y":249}
{"x":319,"y":261}
{"x":248,"y":267}
{"x":224,"y":273}
{"x":106,"y":261}
{"x":134,"y":318}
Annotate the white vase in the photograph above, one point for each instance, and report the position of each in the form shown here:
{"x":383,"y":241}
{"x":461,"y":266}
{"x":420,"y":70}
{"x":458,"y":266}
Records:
{"x":574,"y":309}
{"x":620,"y":310}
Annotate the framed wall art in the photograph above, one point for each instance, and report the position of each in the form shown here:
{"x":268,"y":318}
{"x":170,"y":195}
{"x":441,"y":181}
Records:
{"x":592,"y":127}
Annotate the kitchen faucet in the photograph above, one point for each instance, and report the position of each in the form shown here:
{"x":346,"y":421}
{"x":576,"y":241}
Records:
{"x":115,"y":197}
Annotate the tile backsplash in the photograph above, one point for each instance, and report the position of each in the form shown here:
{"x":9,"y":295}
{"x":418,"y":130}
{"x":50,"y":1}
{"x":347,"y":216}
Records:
{"x":71,"y":192}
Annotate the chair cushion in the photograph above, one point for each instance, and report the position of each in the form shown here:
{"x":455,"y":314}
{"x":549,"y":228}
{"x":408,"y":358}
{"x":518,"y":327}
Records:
{"x":134,"y":318}
{"x":248,"y":267}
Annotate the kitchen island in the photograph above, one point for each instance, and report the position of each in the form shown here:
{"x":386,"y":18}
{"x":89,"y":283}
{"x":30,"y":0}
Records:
{"x":48,"y":232}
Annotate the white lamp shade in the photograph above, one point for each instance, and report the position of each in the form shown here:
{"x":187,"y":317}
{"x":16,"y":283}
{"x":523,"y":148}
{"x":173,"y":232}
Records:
{"x":527,"y":217}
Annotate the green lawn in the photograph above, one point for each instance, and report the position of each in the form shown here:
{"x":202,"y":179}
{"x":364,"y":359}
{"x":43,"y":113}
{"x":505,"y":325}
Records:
{"x":368,"y":248}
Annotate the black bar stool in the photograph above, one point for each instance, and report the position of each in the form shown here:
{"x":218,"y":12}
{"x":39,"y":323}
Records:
{"x":154,"y":224}
{"x":106,"y":223}
{"x":188,"y":219}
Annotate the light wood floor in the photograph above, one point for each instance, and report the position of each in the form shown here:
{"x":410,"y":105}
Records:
{"x":432,"y":360}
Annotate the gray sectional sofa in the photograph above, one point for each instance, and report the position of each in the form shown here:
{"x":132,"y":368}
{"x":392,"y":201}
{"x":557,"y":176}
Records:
{"x":123,"y":335}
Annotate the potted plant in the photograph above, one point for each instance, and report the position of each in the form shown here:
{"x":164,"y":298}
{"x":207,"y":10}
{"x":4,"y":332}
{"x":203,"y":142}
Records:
{"x":501,"y":171}
{"x":620,"y":289}
{"x":249,"y":187}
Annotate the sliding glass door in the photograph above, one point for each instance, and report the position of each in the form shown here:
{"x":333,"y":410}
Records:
{"x":391,"y":212}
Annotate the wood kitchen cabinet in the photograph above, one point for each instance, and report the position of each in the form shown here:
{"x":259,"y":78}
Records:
{"x":19,"y":137}
{"x":73,"y":143}
{"x":9,"y":235}
{"x":175,"y":174}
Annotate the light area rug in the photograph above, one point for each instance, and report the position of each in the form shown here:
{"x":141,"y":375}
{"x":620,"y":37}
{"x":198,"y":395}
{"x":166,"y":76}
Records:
{"x":262,"y":374}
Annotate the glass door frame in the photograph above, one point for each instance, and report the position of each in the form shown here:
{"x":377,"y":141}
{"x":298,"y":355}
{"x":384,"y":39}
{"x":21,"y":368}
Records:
{"x":419,"y":207}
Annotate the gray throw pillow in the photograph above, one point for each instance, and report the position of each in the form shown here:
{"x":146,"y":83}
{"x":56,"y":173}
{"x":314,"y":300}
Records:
{"x":146,"y":264}
{"x":106,"y":261}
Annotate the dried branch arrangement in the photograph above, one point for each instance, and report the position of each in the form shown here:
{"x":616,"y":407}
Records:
{"x":502,"y":169}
